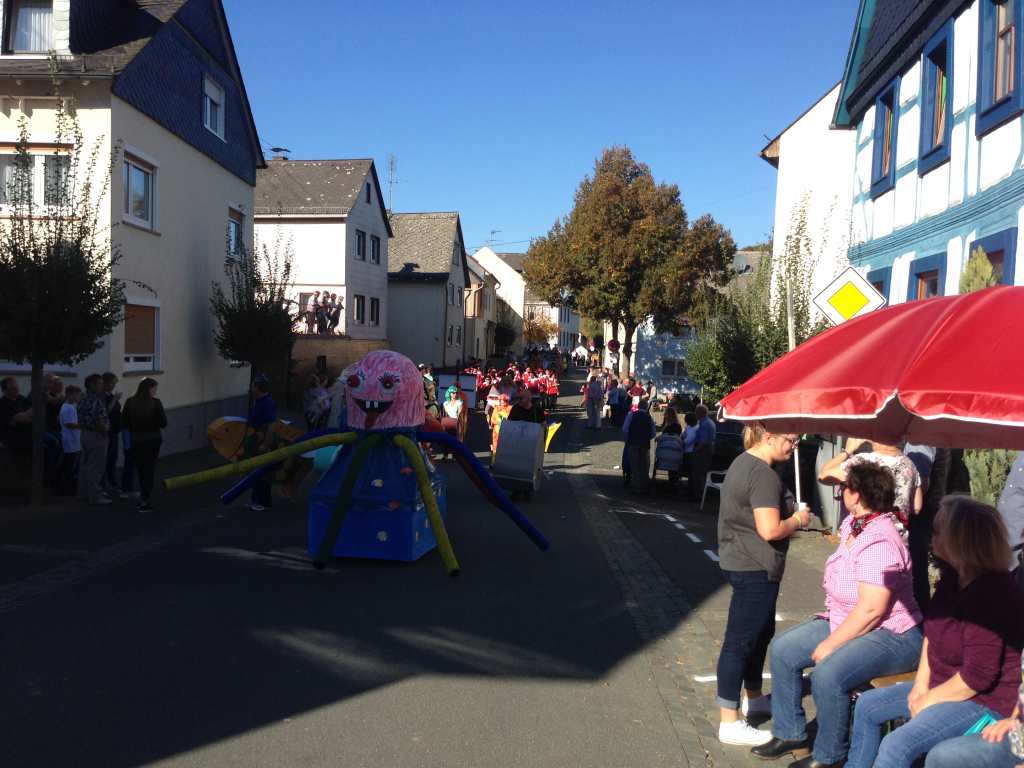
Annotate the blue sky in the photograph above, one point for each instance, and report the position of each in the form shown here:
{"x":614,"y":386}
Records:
{"x":497,"y":110}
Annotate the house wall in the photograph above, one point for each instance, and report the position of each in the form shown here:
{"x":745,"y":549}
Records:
{"x":318,"y":253}
{"x":511,"y":288}
{"x":364,"y":277}
{"x":978,"y":192}
{"x":815,"y":175}
{"x":177,"y":263}
{"x":417,"y":320}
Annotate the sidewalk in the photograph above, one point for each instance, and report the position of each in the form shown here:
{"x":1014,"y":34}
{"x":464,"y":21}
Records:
{"x":676,"y":595}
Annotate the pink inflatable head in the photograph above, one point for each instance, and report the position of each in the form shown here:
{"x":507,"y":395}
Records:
{"x":385,"y":391}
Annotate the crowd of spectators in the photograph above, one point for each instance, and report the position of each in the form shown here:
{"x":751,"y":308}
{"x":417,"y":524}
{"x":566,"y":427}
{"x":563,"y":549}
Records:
{"x":89,"y":434}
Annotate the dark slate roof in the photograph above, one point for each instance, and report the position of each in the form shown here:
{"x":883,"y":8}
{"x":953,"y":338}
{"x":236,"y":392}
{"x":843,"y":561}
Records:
{"x":311,"y":187}
{"x":884,"y":46}
{"x":514,"y":260}
{"x":422,"y":244}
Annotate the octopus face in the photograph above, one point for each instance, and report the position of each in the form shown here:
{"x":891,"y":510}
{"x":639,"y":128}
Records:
{"x":385,"y":391}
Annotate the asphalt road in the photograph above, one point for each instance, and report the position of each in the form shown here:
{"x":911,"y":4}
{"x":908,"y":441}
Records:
{"x":203,"y":638}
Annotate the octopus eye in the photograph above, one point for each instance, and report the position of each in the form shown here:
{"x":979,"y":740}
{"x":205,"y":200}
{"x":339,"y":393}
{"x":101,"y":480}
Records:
{"x":387,"y":382}
{"x":354,"y":380}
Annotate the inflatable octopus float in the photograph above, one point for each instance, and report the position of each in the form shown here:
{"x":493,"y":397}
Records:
{"x":378,"y":495}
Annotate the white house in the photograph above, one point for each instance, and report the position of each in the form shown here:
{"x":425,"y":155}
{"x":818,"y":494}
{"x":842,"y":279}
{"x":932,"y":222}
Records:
{"x":815,"y":175}
{"x":427,"y":279}
{"x":333,"y":214}
{"x":508,"y":269}
{"x":160,"y":81}
{"x":481,"y":311}
{"x":932,"y":97}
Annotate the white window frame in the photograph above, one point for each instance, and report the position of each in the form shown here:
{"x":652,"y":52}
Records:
{"x":375,"y":252}
{"x":8,"y":36}
{"x":374,"y":302}
{"x":141,"y":364}
{"x":39,"y":156}
{"x":233,"y":212}
{"x":217,"y":96}
{"x":359,"y":300}
{"x":139,"y":159}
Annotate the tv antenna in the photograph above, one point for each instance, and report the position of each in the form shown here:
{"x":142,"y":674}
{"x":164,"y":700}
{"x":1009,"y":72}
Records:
{"x":392,"y":179}
{"x":490,"y":240}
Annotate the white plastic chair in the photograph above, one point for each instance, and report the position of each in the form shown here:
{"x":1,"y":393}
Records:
{"x":711,"y":482}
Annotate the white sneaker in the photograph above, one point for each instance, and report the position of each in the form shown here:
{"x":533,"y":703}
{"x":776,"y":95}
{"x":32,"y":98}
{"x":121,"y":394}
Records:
{"x":743,"y":734}
{"x":761,"y":706}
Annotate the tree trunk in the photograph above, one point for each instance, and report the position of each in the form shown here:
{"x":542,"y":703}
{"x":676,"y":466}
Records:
{"x":627,"y":349}
{"x":38,"y":395}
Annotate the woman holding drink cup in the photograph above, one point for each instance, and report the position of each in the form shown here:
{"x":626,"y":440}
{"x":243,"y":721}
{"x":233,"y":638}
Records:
{"x":755,"y":520}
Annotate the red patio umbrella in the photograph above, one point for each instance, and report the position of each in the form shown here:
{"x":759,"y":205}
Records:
{"x":947,"y":372}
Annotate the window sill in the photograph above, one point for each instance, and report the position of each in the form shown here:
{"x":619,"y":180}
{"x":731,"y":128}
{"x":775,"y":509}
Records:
{"x":139,"y":374}
{"x":998,"y":115}
{"x":219,"y":136}
{"x":140,"y":227}
{"x":882,"y":186}
{"x":933,"y":159}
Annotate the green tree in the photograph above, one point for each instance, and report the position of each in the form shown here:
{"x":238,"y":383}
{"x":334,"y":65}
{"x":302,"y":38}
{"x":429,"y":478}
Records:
{"x":254,"y":314}
{"x":745,"y":327}
{"x":989,"y":468}
{"x":627,"y":252}
{"x":59,"y":296}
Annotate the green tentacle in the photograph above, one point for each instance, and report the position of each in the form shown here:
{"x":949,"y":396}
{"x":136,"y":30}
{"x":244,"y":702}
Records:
{"x":247,"y":465}
{"x":344,"y":499}
{"x":444,"y":546}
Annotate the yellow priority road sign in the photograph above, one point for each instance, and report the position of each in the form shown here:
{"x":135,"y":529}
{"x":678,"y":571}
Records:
{"x":848,"y":296}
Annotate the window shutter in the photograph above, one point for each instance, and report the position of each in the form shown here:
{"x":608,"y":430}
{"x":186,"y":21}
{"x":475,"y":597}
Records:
{"x":878,"y":141}
{"x":928,"y":105}
{"x":139,"y":330}
{"x":986,"y":69}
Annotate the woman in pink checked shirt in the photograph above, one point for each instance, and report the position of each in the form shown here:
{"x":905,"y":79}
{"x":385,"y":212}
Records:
{"x":871,"y":626}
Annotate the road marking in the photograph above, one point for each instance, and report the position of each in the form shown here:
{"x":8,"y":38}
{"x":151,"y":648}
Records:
{"x":669,"y":518}
{"x":711,"y":555}
{"x":680,"y":526}
{"x":693,"y":537}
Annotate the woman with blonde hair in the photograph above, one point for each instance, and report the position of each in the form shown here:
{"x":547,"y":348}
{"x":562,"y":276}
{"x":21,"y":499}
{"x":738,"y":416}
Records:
{"x":755,"y":521}
{"x":970,"y":663}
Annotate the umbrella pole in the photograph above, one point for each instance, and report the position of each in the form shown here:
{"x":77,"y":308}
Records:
{"x":791,"y":332}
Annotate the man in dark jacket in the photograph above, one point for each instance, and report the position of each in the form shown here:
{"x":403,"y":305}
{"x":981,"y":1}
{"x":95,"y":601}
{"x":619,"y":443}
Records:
{"x":639,"y":430}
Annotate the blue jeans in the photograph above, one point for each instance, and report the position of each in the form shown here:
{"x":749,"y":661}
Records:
{"x":910,"y":741}
{"x":750,"y":628}
{"x":879,"y":652}
{"x":973,"y":751}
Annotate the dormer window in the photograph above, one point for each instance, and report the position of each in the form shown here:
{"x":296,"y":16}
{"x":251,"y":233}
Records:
{"x":29,"y":26}
{"x":213,"y":107}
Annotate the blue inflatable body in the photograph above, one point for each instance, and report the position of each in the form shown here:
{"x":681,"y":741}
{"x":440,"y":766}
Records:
{"x":387,"y":518}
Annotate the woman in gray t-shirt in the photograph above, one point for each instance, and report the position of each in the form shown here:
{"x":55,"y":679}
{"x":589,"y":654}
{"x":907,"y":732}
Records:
{"x":755,"y":521}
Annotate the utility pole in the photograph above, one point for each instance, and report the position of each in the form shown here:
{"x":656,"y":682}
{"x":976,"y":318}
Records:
{"x":392,"y":179}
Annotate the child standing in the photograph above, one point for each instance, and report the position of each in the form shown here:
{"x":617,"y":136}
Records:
{"x":71,"y":440}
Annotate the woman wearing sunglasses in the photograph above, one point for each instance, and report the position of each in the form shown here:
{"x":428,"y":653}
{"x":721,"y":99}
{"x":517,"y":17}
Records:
{"x":755,"y":521}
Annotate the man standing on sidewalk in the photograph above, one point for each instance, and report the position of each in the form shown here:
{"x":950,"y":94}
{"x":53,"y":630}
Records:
{"x":595,"y":400}
{"x":94,"y":425}
{"x":639,"y":430}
